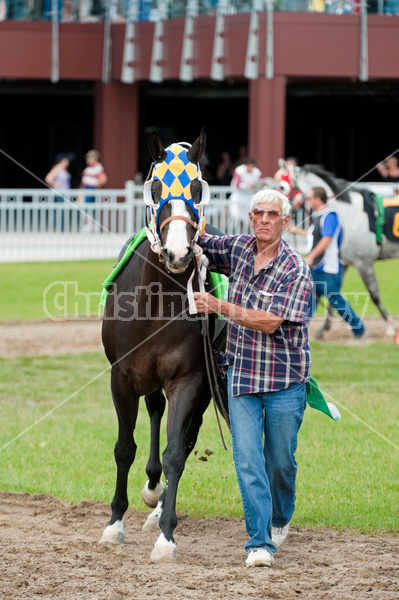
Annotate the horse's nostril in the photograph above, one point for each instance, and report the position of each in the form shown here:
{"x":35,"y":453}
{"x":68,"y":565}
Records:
{"x":168,"y":255}
{"x":190,"y":253}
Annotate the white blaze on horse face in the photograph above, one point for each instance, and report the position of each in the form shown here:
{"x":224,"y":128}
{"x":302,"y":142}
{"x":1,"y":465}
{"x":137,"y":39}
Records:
{"x":177,"y":240}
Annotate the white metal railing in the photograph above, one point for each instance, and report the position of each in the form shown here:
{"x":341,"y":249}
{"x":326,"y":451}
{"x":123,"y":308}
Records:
{"x":43,"y":225}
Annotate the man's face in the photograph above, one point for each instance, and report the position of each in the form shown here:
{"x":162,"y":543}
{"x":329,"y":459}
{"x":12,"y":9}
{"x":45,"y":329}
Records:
{"x":312,"y":201}
{"x":267,"y":221}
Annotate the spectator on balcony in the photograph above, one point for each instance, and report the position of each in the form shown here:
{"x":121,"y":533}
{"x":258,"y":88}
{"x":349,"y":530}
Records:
{"x":392,"y":8}
{"x":389,"y":169}
{"x":47,"y":7}
{"x":69,"y":11}
{"x":17,"y":10}
{"x":91,"y":11}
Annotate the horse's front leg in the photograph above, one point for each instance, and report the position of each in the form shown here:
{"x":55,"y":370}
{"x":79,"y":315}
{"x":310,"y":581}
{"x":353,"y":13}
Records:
{"x":126,"y":405}
{"x":154,"y":487}
{"x":183,"y":408}
{"x":152,"y":521}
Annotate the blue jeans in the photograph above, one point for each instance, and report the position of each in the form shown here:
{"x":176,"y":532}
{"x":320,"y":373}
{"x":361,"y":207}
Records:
{"x":329,"y":285}
{"x":266,"y":466}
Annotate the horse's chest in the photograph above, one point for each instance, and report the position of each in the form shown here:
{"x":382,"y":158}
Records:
{"x":159,"y":361}
{"x":157,"y":303}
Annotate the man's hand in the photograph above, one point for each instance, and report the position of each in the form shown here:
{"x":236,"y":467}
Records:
{"x":206,"y":303}
{"x":310,"y":260}
{"x":249,"y":317}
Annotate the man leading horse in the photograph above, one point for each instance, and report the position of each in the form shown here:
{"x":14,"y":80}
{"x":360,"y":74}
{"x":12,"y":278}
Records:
{"x":268,"y":364}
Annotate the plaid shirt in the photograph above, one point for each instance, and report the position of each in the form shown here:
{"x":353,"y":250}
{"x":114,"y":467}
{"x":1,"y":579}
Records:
{"x":264,"y":362}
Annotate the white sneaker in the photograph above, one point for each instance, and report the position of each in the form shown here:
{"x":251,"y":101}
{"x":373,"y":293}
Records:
{"x":279,"y":534}
{"x":259,"y":557}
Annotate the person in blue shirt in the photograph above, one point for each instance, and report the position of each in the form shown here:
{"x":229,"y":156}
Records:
{"x":324,"y":239}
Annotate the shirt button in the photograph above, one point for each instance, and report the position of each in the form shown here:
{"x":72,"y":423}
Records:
{"x":238,"y":354}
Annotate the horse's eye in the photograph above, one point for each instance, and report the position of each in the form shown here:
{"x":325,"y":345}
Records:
{"x":196,"y":191}
{"x":156,"y":189}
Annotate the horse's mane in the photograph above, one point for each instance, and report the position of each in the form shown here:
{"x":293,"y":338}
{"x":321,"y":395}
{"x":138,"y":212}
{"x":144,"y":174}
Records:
{"x":339,"y":186}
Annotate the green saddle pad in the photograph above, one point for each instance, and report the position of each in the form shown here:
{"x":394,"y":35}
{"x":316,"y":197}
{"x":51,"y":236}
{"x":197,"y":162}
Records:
{"x":140,"y":237}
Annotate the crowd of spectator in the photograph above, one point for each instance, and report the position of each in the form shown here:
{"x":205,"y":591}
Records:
{"x":152,"y":10}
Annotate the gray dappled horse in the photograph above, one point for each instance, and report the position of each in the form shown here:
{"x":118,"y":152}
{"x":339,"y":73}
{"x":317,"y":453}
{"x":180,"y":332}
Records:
{"x":154,"y":345}
{"x":354,"y":207}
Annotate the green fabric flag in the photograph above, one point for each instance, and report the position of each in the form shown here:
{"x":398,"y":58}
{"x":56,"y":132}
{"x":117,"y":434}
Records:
{"x":315,"y":399}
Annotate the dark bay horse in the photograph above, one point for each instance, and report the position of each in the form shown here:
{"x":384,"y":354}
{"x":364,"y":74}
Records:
{"x":154,"y":345}
{"x":360,"y":247}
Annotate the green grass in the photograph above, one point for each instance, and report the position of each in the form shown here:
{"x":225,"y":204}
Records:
{"x":56,"y":290}
{"x":348,"y":470}
{"x":53,"y":289}
{"x":358,"y":296}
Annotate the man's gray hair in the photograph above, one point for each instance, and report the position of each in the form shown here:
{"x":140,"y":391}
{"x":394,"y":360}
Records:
{"x":271,"y":197}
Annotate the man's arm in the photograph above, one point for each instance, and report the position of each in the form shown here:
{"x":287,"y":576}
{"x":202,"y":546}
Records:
{"x":318,"y":249}
{"x":297,"y":230}
{"x":249,"y":317}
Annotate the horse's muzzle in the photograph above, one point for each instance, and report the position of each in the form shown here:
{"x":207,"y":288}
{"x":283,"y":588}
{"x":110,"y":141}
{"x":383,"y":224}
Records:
{"x":177,"y":265}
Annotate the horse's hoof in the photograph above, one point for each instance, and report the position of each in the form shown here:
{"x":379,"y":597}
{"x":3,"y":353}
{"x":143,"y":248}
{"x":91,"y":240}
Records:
{"x":151,"y":497}
{"x":319,"y":335}
{"x":164,"y":551}
{"x":113,"y":534}
{"x":152,"y":521}
{"x":390,"y":332}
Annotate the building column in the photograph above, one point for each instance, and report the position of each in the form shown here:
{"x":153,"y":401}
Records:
{"x":116,"y":130}
{"x":267,"y":105}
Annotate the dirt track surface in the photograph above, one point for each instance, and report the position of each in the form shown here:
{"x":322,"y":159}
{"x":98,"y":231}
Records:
{"x":50,"y":550}
{"x":84,"y":335}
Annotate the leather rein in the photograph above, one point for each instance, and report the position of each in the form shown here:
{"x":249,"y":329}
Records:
{"x":200,"y":268}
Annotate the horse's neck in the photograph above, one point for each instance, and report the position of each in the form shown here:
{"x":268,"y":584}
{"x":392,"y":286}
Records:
{"x":306,"y":181}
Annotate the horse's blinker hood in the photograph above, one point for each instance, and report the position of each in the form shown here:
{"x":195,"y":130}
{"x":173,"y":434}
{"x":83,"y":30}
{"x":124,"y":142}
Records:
{"x":176,"y":173}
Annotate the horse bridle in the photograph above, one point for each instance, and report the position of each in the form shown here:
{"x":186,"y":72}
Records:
{"x":155,"y":229}
{"x":178,"y":218}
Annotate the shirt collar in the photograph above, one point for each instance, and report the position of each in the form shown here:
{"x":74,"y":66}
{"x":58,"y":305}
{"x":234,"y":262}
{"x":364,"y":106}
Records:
{"x":273,"y":260}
